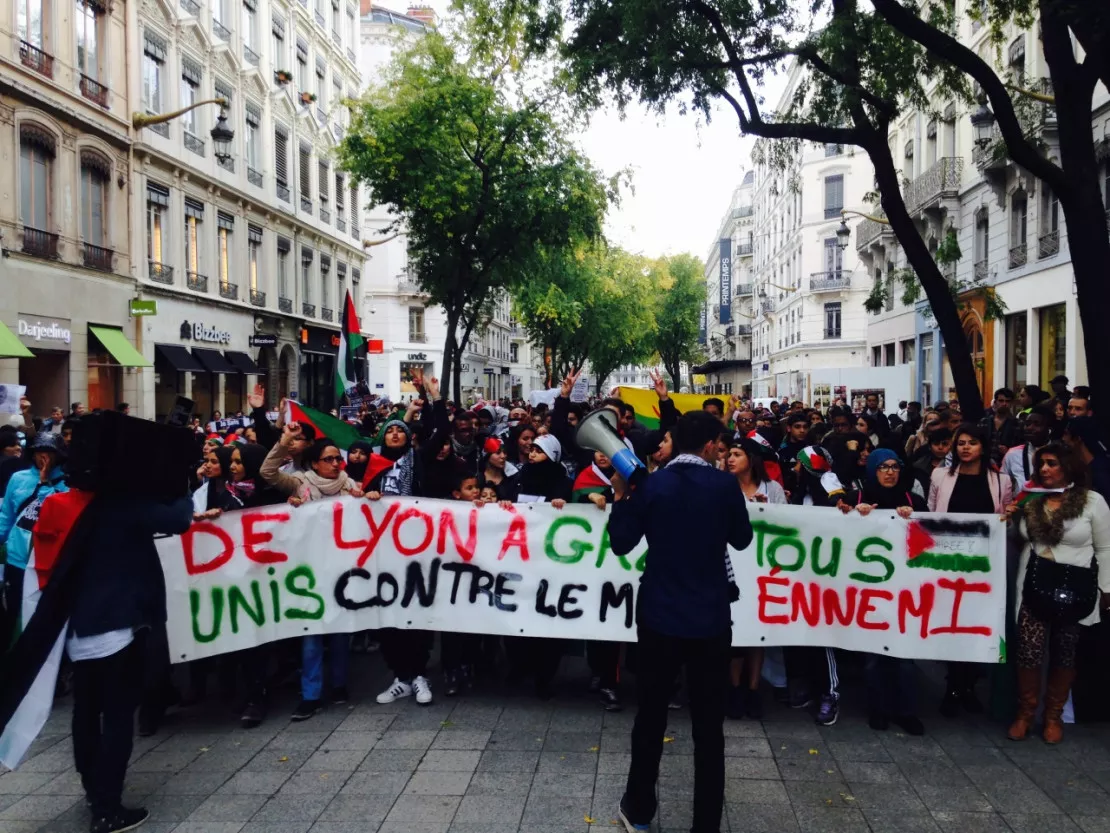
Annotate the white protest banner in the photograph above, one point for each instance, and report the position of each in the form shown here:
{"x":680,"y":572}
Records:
{"x":931,"y":588}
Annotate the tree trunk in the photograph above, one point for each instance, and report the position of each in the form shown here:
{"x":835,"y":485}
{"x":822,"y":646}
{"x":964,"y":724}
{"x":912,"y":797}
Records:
{"x":936,"y":287}
{"x":450,"y":365}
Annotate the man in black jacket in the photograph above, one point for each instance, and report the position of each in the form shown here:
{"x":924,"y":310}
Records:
{"x":683,"y":612}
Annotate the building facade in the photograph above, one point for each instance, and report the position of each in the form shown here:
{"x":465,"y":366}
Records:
{"x":809,"y":322}
{"x":1010,"y":232}
{"x":260,"y":246}
{"x":729,"y":301}
{"x":66,"y":277}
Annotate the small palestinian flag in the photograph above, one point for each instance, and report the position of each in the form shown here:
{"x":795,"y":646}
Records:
{"x":815,"y":459}
{"x":29,"y":671}
{"x":591,"y":481}
{"x":336,"y":430}
{"x":1031,"y":491}
{"x":351,"y":345}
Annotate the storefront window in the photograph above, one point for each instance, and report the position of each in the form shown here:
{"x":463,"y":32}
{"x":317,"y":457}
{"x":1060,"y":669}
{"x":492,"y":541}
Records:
{"x":1016,"y":351}
{"x":1054,"y":321}
{"x":411,"y":373}
{"x":105,"y":377}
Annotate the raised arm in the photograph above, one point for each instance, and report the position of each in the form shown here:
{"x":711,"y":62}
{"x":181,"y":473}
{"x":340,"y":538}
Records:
{"x":271,"y":467}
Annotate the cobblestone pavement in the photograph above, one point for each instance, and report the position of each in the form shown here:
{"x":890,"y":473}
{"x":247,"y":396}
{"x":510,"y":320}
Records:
{"x":496,"y":762}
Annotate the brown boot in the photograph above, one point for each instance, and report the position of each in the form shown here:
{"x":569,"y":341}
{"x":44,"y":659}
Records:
{"x":1028,"y":690}
{"x":1056,"y":695}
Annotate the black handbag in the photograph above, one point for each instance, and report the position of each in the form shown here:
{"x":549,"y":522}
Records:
{"x":1057,"y":593}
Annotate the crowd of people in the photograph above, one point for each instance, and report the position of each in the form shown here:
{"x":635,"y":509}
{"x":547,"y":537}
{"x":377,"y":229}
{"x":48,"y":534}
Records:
{"x":1036,"y":460}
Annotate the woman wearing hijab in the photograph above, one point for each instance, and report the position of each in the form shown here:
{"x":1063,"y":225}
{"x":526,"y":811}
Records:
{"x":970,"y":485}
{"x":1066,"y":529}
{"x":891,"y":687}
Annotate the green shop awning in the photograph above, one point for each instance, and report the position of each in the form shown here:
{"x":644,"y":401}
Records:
{"x":116,"y":343}
{"x":10,"y":345}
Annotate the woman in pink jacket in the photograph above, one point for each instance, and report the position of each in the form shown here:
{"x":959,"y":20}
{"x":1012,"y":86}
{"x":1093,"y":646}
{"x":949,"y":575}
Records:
{"x":971,"y":485}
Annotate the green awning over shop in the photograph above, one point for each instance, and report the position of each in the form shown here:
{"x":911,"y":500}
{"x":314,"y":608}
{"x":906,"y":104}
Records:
{"x":116,"y":343}
{"x":10,"y":345}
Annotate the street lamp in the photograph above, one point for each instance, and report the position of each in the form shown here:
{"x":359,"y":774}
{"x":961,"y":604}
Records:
{"x":983,"y":122}
{"x":843,"y":234}
{"x":222,"y":136}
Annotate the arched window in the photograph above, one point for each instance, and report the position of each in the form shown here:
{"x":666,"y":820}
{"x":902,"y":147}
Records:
{"x":95,"y":175}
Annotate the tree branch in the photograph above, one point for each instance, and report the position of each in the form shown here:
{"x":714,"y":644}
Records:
{"x":948,"y":48}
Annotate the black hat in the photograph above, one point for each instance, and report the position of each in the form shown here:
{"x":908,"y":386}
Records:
{"x":46,"y":441}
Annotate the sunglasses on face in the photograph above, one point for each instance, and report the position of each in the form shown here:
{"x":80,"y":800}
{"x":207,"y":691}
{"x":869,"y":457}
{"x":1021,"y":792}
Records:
{"x":335,"y":459}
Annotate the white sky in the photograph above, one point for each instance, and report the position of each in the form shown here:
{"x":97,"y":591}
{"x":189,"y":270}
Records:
{"x":683,"y":171}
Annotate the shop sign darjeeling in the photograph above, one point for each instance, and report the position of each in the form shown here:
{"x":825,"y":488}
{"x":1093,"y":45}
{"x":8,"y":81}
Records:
{"x":53,"y":333}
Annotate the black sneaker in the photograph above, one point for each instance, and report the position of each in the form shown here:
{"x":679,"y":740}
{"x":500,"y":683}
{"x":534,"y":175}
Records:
{"x":910,"y":724}
{"x":253,"y":715}
{"x":950,"y":705}
{"x":122,"y":819}
{"x":339,"y":694}
{"x":801,"y":700}
{"x":828,"y":711}
{"x":451,"y":684}
{"x":306,"y":709}
{"x":611,"y":700}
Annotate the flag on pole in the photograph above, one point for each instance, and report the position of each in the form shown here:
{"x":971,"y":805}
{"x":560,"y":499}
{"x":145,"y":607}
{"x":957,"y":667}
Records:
{"x":339,"y":432}
{"x":351,"y":344}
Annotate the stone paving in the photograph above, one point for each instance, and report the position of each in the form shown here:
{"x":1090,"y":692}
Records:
{"x":496,"y":763}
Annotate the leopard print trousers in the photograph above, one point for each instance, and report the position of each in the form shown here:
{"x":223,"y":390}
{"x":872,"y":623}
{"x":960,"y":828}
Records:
{"x":1033,"y":633}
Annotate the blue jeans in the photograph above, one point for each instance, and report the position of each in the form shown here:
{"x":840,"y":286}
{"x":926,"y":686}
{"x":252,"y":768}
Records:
{"x":312,"y":663}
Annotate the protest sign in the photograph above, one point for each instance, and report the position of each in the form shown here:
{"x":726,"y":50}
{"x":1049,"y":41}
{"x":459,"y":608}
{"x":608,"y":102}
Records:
{"x":931,"y":588}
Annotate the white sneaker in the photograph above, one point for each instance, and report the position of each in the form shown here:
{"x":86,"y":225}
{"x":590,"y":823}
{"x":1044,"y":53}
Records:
{"x":396,"y":691}
{"x":423,"y":690}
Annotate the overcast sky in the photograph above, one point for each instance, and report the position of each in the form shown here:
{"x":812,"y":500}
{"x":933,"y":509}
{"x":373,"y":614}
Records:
{"x":684,"y":171}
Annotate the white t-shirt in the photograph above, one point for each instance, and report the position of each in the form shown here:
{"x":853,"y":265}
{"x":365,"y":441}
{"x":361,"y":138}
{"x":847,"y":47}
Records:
{"x":99,"y":645}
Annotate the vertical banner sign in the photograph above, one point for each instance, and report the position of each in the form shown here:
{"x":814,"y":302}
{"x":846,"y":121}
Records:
{"x":703,"y":322}
{"x":726,"y":280}
{"x":932,"y":587}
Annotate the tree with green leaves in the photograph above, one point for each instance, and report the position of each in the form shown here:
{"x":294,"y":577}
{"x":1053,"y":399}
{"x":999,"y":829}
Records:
{"x":477,"y":173}
{"x":587,"y":304}
{"x":679,"y":294}
{"x":863,"y":69}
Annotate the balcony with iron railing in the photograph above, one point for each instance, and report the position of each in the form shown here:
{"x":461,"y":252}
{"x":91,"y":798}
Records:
{"x":327,"y":314}
{"x":941,"y":181}
{"x":285,"y":305}
{"x":340,"y":223}
{"x":743,"y":329}
{"x":308,"y":310}
{"x":1048,"y":244}
{"x":338,"y":41}
{"x":744,"y":249}
{"x":357,"y":235}
{"x":1048,"y":111}
{"x":870,"y":231}
{"x":981,"y":270}
{"x":742,"y":211}
{"x":1019,"y":256}
{"x":34,"y":58}
{"x":832,"y":332}
{"x":190,"y":7}
{"x":282,"y":191}
{"x":766,"y":306}
{"x":93,"y":90}
{"x":351,"y":56}
{"x":97,"y":257}
{"x":39,"y":243}
{"x":258,"y":298}
{"x":321,"y":114}
{"x":831,"y":281}
{"x":991,"y":156}
{"x":196,"y":281}
{"x":325,"y":215}
{"x":227,"y":163}
{"x":159,"y":272}
{"x":306,"y":204}
{"x":220,"y":31}
{"x":254,"y":177}
{"x":230,"y":291}
{"x":250,"y":56}
{"x":417,"y":337}
{"x":744,"y":289}
{"x":319,"y":16}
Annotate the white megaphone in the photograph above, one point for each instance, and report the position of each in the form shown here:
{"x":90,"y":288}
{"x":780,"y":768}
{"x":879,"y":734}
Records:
{"x":598,"y":432}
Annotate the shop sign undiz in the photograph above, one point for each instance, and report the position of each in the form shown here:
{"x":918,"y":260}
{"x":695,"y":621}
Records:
{"x":199,"y":331}
{"x":34,"y":330}
{"x":418,"y":357}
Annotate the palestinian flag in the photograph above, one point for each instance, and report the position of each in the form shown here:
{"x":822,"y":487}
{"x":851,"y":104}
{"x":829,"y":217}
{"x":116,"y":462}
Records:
{"x":591,"y":481}
{"x":339,"y":432}
{"x":1031,"y":491}
{"x":29,"y":671}
{"x":351,"y":344}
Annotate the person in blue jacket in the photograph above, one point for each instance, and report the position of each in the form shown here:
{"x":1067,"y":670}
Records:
{"x":20,"y":508}
{"x":683,"y":611}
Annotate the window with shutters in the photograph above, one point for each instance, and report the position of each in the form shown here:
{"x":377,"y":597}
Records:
{"x":306,"y":275}
{"x":354,"y":209}
{"x":154,"y":56}
{"x":834,"y":195}
{"x":283,"y":249}
{"x":194,"y":226}
{"x":254,"y":249}
{"x":323,"y":184}
{"x":281,"y":162}
{"x":157,"y":209}
{"x":226,"y":224}
{"x":36,"y":167}
{"x":277,"y":45}
{"x":325,"y":278}
{"x":94,"y":199}
{"x":253,"y":119}
{"x":304,"y":174}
